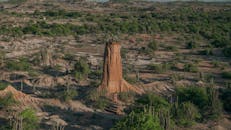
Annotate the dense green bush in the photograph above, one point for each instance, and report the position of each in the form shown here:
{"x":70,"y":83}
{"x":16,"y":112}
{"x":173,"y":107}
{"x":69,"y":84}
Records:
{"x":186,"y":114}
{"x":219,"y":42}
{"x":180,"y":20}
{"x":195,"y":95}
{"x":30,"y":120}
{"x":226,"y":75}
{"x":191,"y":45}
{"x":226,"y":98}
{"x":81,"y":69}
{"x":227,"y":51}
{"x":138,"y":121}
{"x":157,"y":102}
{"x":206,"y":99}
{"x":157,"y":106}
{"x":58,"y":14}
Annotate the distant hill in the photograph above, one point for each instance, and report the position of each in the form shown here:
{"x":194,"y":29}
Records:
{"x":172,"y":0}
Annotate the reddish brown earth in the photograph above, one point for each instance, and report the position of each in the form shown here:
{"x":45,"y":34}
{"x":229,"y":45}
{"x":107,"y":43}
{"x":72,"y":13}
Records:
{"x":22,"y":98}
{"x":113,"y":81}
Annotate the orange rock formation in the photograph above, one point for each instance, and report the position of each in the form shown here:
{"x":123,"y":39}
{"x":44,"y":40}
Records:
{"x":113,"y":81}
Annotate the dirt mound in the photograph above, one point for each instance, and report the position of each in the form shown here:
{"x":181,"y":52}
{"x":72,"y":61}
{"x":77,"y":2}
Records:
{"x":22,"y":98}
{"x":113,"y":81}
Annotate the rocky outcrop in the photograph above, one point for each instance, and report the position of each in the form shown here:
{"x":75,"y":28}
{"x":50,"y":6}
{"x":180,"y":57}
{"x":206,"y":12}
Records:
{"x":113,"y":81}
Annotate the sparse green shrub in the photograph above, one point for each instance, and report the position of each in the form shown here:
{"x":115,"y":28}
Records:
{"x":191,"y":45}
{"x":124,"y":52}
{"x":227,"y":51}
{"x":131,"y":80}
{"x":22,"y":64}
{"x":81,"y":69}
{"x":68,"y":94}
{"x":126,"y":96}
{"x":190,"y":67}
{"x":69,"y":57}
{"x":30,"y":120}
{"x":214,"y":108}
{"x":171,"y":48}
{"x":225,"y":97}
{"x":150,"y":49}
{"x":3,"y":85}
{"x":207,"y":51}
{"x":95,"y":83}
{"x":7,"y":100}
{"x":208,"y":77}
{"x":97,"y":74}
{"x":101,"y":103}
{"x":186,"y":114}
{"x":216,"y":63}
{"x":160,"y":68}
{"x":175,"y":77}
{"x":226,"y":75}
{"x":153,"y":46}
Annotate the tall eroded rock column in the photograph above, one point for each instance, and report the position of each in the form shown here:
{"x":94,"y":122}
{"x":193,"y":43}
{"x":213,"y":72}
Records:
{"x":113,"y":81}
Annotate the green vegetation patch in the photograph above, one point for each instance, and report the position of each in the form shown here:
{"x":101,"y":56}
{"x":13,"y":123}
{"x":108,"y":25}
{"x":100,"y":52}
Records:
{"x":226,"y":75}
{"x":81,"y":69}
{"x":3,"y":85}
{"x":22,"y":64}
{"x":30,"y":120}
{"x":7,"y":100}
{"x":190,"y":67}
{"x":227,"y":51}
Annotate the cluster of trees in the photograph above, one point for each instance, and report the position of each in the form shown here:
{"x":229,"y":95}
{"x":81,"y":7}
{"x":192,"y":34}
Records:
{"x":212,"y":25}
{"x":189,"y":106}
{"x":57,"y":14}
{"x":45,"y":29}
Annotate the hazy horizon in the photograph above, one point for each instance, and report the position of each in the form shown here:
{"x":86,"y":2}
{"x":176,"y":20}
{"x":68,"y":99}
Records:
{"x":175,"y":0}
